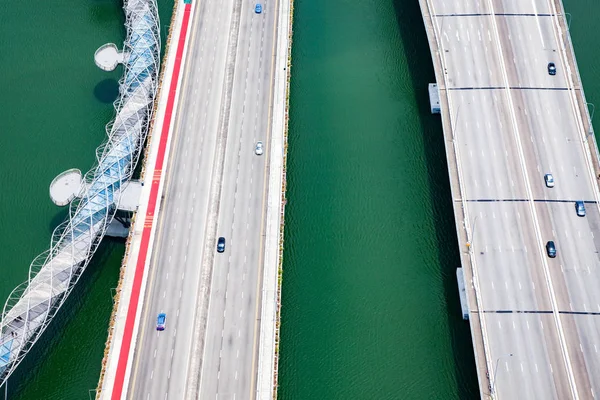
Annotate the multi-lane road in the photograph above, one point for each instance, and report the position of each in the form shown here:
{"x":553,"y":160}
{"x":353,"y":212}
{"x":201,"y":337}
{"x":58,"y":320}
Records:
{"x":215,"y":186}
{"x":512,"y":122}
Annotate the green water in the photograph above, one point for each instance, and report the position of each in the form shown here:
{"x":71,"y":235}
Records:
{"x":370,"y":305}
{"x":370,"y":308}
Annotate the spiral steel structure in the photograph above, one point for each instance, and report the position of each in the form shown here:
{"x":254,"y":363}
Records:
{"x":52,"y":275}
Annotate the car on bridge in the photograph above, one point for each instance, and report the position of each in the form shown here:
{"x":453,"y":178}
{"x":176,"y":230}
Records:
{"x":161,"y":321}
{"x":580,"y":208}
{"x":551,"y":249}
{"x":549,"y":179}
{"x":258,"y":150}
{"x":221,"y":244}
{"x":551,"y":68}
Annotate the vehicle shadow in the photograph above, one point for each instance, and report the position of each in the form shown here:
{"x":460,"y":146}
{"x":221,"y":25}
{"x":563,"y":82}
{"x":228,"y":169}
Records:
{"x":420,"y":66}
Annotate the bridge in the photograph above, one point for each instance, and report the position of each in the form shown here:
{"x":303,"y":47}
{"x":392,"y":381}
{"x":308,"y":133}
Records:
{"x":507,"y":122}
{"x":223,"y":89}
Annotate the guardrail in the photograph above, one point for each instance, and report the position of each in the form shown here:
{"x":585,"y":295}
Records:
{"x":283,"y":201}
{"x":466,"y":223}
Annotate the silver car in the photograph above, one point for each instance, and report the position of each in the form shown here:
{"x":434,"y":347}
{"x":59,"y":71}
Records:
{"x":549,"y":179}
{"x":258,"y":150}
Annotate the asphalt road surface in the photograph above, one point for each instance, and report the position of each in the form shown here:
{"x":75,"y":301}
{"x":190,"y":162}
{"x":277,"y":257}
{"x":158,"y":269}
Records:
{"x":216,"y":186}
{"x":512,"y":124}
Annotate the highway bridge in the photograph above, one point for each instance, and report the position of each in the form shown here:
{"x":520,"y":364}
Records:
{"x":215,"y":186}
{"x":205,"y":179}
{"x":535,"y":320}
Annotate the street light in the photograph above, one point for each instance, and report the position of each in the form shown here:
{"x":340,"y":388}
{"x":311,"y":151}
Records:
{"x":470,"y":242}
{"x":569,"y":20}
{"x":591,"y":114}
{"x":493,"y":388}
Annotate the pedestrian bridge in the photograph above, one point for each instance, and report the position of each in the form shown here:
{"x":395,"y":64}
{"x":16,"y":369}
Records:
{"x":52,"y":275}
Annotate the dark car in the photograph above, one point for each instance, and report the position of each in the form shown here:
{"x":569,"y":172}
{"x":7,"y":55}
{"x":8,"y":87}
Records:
{"x":551,"y":249}
{"x":551,"y":68}
{"x":580,"y":208}
{"x":160,"y":322}
{"x":221,"y":244}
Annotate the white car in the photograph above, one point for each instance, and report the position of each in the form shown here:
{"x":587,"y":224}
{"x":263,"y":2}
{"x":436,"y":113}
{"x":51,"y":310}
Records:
{"x":258,"y":150}
{"x":549,"y":179}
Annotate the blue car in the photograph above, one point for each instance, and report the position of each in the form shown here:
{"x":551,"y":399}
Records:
{"x":258,"y":8}
{"x":160,"y":322}
{"x":580,"y":208}
{"x":221,"y":244}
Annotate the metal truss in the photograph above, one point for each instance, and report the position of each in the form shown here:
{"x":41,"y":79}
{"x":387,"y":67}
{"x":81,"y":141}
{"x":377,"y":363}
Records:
{"x":52,"y":275}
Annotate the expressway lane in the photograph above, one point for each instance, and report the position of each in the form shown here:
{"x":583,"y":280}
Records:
{"x":160,"y":365}
{"x":512,"y":123}
{"x":229,"y":358}
{"x":215,"y":185}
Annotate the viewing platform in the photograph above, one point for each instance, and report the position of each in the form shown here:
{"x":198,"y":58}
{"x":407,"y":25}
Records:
{"x":108,"y":56}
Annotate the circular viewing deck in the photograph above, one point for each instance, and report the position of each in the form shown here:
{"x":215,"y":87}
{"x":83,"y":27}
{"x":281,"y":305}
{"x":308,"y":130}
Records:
{"x":107,"y":57}
{"x":65,"y":187}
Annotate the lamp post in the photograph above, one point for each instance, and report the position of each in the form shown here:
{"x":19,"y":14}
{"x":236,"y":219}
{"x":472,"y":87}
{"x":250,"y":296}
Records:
{"x":591,"y":114}
{"x":493,"y":389}
{"x":568,"y":20}
{"x":470,"y":242}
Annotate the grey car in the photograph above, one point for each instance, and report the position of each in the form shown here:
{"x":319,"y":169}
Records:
{"x":549,"y":180}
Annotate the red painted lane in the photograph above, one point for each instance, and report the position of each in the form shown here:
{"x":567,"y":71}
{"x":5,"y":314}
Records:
{"x":149,"y":218}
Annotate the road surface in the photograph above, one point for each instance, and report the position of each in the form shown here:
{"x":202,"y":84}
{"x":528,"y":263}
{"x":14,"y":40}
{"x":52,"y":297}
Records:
{"x":512,"y":123}
{"x":215,"y":187}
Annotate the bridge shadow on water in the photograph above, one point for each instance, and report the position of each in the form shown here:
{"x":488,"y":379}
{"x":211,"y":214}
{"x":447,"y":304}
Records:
{"x":51,"y":343}
{"x":420,"y":66}
{"x":107,"y":90}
